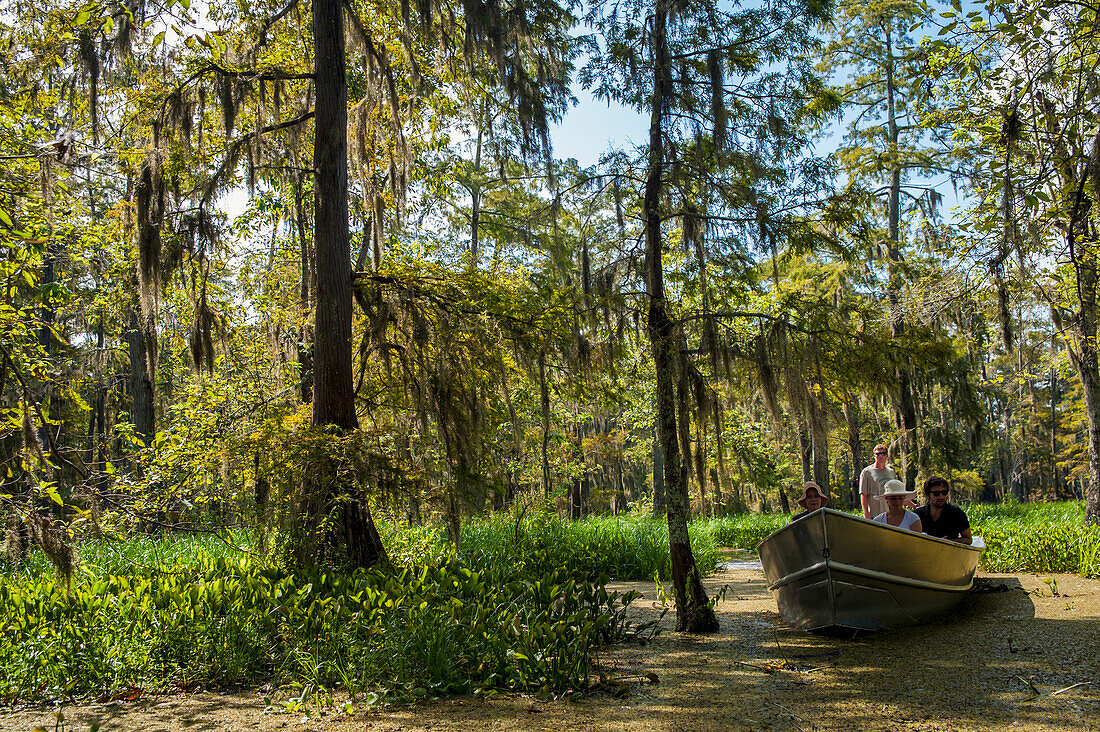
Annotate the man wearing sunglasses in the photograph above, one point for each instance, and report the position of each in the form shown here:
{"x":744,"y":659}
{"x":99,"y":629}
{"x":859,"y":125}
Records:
{"x":940,"y":518}
{"x":872,"y":482}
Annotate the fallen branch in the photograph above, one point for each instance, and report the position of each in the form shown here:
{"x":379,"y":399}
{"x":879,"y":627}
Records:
{"x":1068,"y":688}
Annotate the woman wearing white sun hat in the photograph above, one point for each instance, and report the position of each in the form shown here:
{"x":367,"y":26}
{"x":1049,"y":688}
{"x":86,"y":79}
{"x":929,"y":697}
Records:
{"x":896,"y":514}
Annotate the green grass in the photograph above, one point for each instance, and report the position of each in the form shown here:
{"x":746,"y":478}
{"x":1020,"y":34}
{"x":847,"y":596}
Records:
{"x":1037,"y":537}
{"x":742,"y":531}
{"x":140,"y":553}
{"x":629,"y":547}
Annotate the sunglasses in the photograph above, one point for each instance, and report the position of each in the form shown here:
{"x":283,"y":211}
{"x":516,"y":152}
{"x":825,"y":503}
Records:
{"x":880,"y":453}
{"x":938,"y":493}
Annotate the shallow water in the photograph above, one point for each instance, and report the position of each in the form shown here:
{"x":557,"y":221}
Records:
{"x":741,"y":564}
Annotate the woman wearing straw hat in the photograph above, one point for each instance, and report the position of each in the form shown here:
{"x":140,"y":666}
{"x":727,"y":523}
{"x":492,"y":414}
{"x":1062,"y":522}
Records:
{"x":896,"y":514}
{"x":812,"y":499}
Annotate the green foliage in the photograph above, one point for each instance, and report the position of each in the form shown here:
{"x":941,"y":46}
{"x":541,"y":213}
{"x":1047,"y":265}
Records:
{"x":1037,"y":537}
{"x":743,"y":531}
{"x":232,"y":621}
{"x":141,"y":553}
{"x":535,"y":544}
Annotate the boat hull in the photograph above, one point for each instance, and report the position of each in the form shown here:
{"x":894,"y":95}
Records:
{"x":834,"y":570}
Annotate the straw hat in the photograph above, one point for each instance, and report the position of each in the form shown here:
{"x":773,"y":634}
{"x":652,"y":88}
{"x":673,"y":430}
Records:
{"x":806,"y":489}
{"x":896,"y":488}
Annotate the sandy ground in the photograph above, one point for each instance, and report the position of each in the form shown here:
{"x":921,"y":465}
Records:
{"x":1004,"y":660}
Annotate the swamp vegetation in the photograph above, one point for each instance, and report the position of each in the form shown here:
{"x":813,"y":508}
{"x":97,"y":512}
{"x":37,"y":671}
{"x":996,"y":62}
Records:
{"x":520,"y":606}
{"x":305,"y":292}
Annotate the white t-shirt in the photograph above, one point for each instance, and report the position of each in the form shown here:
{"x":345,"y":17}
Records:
{"x":872,"y":482}
{"x":907,"y":520}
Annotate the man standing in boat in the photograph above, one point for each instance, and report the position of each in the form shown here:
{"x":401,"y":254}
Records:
{"x":872,"y":482}
{"x":940,"y":518}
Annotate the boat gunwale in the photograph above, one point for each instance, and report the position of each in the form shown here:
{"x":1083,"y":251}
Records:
{"x":825,"y":510}
{"x":829,"y":564}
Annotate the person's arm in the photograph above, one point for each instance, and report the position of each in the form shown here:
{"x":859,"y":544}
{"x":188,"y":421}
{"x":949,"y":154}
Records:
{"x":865,"y":494}
{"x":915,"y":526}
{"x":965,"y":537}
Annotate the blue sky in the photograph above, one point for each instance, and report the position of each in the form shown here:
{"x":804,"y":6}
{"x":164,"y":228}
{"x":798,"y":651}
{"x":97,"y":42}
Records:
{"x":593,"y":127}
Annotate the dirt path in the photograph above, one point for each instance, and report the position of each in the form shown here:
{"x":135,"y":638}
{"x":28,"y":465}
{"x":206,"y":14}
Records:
{"x":992,"y":665}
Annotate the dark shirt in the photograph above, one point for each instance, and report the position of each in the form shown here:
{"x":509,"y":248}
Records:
{"x":952,"y":523}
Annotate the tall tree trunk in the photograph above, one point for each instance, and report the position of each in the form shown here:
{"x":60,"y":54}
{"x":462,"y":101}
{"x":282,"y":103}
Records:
{"x":819,"y":431}
{"x":904,"y":407}
{"x":700,"y":465}
{"x":683,"y":426}
{"x":98,"y":431}
{"x":544,"y":402}
{"x":141,"y":381}
{"x":1083,"y":350}
{"x":305,"y":286}
{"x":576,"y":490}
{"x":720,"y":475}
{"x":851,"y":417}
{"x":576,"y":498}
{"x":476,"y":187}
{"x":352,"y":537}
{"x":805,"y":450}
{"x":784,"y":502}
{"x":660,"y":504}
{"x":1057,"y":489}
{"x":693,"y":610}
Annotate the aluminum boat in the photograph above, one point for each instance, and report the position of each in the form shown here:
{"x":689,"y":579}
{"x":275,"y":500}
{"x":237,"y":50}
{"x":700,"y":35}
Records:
{"x":834,"y":570}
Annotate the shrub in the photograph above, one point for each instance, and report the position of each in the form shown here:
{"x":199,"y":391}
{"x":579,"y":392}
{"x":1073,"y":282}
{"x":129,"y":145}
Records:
{"x":229,"y":622}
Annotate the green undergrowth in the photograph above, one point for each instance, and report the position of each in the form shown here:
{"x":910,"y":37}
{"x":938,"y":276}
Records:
{"x":220,"y":622}
{"x":742,"y":531}
{"x":520,"y":605}
{"x":1037,"y":537}
{"x":627,"y":547}
{"x":139,"y":553}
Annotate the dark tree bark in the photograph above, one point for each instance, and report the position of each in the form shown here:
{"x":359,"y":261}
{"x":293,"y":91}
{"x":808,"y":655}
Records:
{"x":819,"y":431}
{"x":683,"y":427}
{"x":333,"y":399}
{"x":659,"y":502}
{"x":305,"y":285}
{"x":718,"y":476}
{"x":904,"y":406}
{"x":805,"y":451}
{"x":1083,"y":350}
{"x":544,"y":403}
{"x":693,"y":610}
{"x":353,"y":538}
{"x":851,"y":417}
{"x":142,"y":411}
{"x":700,"y":466}
{"x":784,"y":502}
